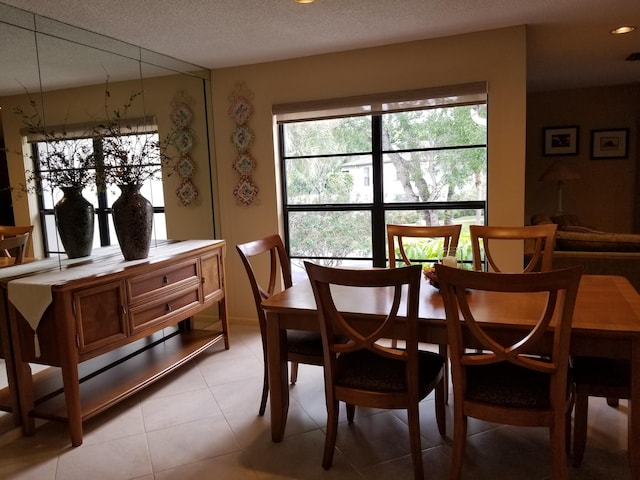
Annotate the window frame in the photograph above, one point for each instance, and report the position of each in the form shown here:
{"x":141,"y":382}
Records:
{"x":377,"y":208}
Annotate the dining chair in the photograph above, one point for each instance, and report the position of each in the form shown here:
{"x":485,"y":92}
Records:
{"x":523,"y":381}
{"x":593,"y":376}
{"x":266,"y":261}
{"x":365,"y":370}
{"x":396,"y":235}
{"x":13,"y":230}
{"x":14,"y":247}
{"x":448,"y":234}
{"x":541,"y":237}
{"x":596,"y":377}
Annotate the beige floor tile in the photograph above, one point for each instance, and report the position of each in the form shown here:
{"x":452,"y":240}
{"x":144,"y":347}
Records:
{"x":435,"y":462}
{"x":297,"y":456}
{"x":240,"y":395}
{"x":249,"y":428}
{"x":122,"y":420}
{"x":165,"y":411}
{"x":50,"y":440}
{"x":116,"y":459}
{"x":373,"y":439}
{"x":191,"y":442}
{"x":607,"y":425}
{"x":227,"y":467}
{"x":35,"y":468}
{"x":226,"y":367}
{"x":184,"y":379}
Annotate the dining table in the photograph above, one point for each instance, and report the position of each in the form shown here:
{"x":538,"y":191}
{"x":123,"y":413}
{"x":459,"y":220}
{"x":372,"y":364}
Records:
{"x":606,"y":323}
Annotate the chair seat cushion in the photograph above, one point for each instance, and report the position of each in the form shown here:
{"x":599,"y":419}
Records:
{"x":368,"y":371}
{"x":602,"y":371}
{"x":508,"y":385}
{"x":304,"y":343}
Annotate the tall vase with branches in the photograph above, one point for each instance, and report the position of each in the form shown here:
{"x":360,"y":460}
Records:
{"x":65,"y":163}
{"x":132,"y":155}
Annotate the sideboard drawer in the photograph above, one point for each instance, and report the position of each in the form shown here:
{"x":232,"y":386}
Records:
{"x":142,"y":288}
{"x":157,"y":312}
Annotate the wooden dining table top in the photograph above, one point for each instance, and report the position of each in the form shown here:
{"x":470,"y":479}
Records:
{"x":606,"y":304}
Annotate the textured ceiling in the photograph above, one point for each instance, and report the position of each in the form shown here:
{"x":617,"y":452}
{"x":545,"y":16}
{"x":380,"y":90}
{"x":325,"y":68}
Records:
{"x":568,"y":40}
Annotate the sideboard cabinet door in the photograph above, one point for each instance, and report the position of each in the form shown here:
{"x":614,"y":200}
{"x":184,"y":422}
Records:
{"x":213,"y":276}
{"x":101,"y":317}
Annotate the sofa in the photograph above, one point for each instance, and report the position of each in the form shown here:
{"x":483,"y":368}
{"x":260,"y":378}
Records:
{"x":600,"y":253}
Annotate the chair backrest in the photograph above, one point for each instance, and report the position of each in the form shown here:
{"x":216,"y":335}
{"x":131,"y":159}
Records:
{"x":15,"y":247}
{"x":265,"y":261}
{"x":541,"y":236}
{"x":468,"y":321}
{"x":397,"y":233}
{"x":329,"y":284}
{"x":11,"y":231}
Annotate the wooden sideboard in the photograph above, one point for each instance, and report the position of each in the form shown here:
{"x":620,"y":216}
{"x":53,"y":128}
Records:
{"x":114,"y":330}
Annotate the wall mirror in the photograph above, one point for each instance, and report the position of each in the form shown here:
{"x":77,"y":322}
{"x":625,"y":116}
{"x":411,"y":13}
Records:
{"x":65,"y":71}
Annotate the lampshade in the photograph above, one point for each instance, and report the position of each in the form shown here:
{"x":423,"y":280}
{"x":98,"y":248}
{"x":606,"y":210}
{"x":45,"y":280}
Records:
{"x":559,"y":172}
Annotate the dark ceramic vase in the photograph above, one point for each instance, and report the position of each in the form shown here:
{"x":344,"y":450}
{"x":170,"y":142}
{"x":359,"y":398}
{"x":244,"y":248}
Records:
{"x":133,"y":219}
{"x":75,"y":221}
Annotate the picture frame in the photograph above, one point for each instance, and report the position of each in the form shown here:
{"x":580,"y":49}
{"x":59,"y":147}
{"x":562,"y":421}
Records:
{"x":609,"y":144}
{"x":560,"y":141}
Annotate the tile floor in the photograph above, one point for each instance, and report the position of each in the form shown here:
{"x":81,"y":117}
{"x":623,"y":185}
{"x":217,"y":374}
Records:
{"x":201,"y":422}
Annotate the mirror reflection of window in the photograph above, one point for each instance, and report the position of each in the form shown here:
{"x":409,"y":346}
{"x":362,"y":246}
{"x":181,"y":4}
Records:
{"x":100,"y":195}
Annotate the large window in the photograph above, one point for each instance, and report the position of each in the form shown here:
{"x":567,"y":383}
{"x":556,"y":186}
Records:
{"x":347,"y":172}
{"x":100,"y":195}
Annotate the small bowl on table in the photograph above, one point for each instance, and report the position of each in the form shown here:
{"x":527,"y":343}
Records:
{"x":430,"y":274}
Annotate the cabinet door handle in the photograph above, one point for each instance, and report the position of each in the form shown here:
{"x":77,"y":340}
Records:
{"x":165,"y":280}
{"x":168,"y":307}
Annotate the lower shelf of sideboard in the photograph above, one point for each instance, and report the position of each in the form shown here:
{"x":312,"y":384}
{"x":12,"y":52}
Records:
{"x":119,"y":380}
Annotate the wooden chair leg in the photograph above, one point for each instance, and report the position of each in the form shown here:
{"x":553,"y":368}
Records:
{"x":351,"y":412}
{"x":567,"y":431}
{"x":567,"y":421}
{"x":443,"y":350}
{"x":265,"y":391}
{"x":613,"y":402}
{"x":459,"y":442}
{"x":332,"y":433}
{"x":413,"y":417}
{"x":558,"y":453}
{"x":441,"y":400}
{"x":580,"y":425}
{"x":294,"y":373}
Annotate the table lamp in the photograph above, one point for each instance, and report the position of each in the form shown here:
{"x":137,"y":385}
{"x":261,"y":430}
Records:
{"x":560,"y":173}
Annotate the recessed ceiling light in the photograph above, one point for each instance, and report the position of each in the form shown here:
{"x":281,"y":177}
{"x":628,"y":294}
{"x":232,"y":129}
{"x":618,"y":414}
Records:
{"x":624,"y":29}
{"x":305,"y":1}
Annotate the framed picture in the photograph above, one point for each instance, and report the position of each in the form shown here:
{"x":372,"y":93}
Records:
{"x":610,"y":143}
{"x":560,"y":141}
